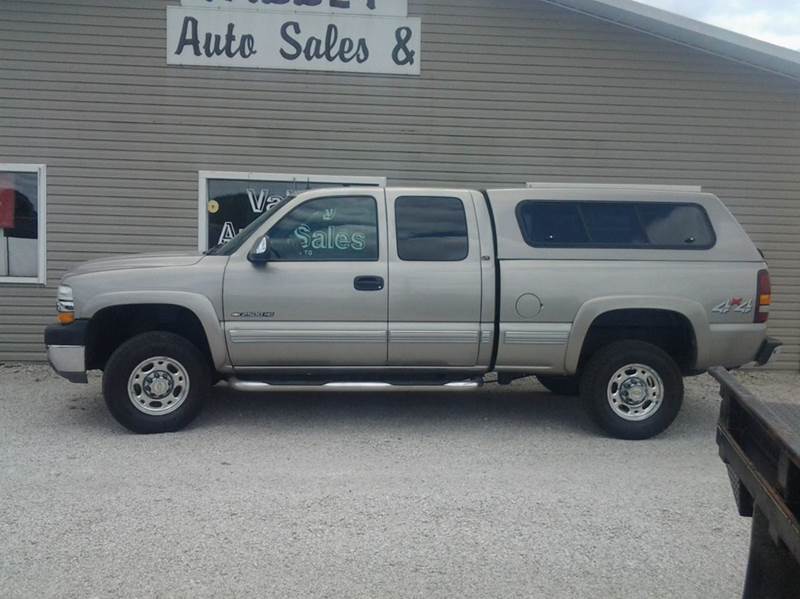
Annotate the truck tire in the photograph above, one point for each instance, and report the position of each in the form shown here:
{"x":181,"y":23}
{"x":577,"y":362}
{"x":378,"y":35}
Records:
{"x":632,"y":389}
{"x":561,"y":385}
{"x":156,"y":382}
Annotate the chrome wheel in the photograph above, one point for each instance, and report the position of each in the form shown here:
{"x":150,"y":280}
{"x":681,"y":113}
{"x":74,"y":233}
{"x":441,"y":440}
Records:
{"x":635,"y":392}
{"x":158,"y":386}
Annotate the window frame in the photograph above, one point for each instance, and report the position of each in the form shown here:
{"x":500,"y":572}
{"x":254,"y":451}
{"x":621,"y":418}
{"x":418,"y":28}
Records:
{"x":334,"y":197}
{"x":613,"y":246}
{"x":301,"y":179}
{"x":444,"y":197}
{"x":41,"y":224}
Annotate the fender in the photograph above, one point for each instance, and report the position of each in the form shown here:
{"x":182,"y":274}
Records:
{"x":199,"y":305}
{"x":588,"y":313}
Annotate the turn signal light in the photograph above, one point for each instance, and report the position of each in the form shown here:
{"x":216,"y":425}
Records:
{"x":764,"y":296}
{"x":65,"y":305}
{"x":66,"y":317}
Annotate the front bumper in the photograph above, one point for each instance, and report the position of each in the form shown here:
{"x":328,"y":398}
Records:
{"x":66,"y":349}
{"x":769,"y":349}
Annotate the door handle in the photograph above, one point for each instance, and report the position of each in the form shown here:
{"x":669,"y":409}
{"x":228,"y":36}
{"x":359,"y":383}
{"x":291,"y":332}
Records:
{"x":368,"y":283}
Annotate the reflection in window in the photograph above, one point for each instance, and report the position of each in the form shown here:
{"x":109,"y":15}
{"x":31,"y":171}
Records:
{"x":233,"y":204}
{"x":19,"y":224}
{"x":553,"y":223}
{"x":328,"y":229}
{"x":613,"y":224}
{"x":676,"y":224}
{"x":431,"y":229}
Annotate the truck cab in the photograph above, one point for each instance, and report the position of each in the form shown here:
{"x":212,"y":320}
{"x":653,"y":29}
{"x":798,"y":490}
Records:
{"x":616,"y":294}
{"x":333,"y":288}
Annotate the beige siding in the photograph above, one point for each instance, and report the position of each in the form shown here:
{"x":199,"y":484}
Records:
{"x":511,"y":91}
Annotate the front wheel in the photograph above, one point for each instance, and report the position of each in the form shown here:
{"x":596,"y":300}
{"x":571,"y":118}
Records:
{"x":633,"y":389}
{"x":156,"y":382}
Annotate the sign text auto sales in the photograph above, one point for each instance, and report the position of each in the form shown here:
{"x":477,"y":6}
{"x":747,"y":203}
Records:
{"x":332,"y":35}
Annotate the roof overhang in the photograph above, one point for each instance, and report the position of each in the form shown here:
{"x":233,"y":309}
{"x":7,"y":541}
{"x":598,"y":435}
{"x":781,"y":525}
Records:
{"x":690,"y":32}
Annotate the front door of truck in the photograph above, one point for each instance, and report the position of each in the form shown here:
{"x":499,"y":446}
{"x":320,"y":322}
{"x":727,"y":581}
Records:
{"x":434,"y":279}
{"x":321,"y":300}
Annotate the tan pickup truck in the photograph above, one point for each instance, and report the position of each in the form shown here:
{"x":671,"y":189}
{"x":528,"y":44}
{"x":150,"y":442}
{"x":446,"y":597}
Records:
{"x":616,"y":294}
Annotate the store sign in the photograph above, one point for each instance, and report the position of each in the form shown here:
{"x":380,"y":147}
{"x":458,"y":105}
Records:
{"x":375,"y":8}
{"x":318,"y":35}
{"x":229,"y":213}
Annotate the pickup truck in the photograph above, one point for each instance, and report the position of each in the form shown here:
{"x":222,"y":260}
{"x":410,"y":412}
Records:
{"x":613,"y":294}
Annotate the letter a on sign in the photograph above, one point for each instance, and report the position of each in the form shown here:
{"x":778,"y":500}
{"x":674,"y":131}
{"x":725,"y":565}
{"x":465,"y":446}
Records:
{"x":7,"y":201}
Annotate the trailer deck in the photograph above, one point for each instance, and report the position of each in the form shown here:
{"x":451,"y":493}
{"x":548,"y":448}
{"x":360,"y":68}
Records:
{"x":759,"y":441}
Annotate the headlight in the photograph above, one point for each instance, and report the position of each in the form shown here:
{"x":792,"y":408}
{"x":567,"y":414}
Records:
{"x":65,"y":305}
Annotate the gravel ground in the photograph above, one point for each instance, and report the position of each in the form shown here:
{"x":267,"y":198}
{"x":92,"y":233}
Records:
{"x":504,"y":494}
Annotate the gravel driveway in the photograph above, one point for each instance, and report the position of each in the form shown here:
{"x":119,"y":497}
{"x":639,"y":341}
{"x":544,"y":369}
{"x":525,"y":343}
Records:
{"x":501,"y":493}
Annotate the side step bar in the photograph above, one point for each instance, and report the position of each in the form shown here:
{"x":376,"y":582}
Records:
{"x":260,"y":387}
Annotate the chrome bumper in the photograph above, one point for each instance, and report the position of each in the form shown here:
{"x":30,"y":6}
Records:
{"x":68,"y":361}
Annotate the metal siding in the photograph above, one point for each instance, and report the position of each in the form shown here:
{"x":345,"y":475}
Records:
{"x":511,"y":91}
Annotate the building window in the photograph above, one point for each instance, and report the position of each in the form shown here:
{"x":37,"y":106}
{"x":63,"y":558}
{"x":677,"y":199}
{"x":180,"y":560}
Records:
{"x":229,"y":201}
{"x":642,"y":225}
{"x":431,"y":229}
{"x":22,"y":223}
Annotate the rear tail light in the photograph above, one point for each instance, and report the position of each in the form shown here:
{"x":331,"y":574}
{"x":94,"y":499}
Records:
{"x":764,"y":296}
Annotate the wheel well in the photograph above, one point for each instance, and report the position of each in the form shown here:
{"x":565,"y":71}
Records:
{"x":671,"y":331}
{"x":111,"y":327}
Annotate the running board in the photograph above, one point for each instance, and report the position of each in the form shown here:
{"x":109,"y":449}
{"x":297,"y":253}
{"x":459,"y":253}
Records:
{"x":260,"y":387}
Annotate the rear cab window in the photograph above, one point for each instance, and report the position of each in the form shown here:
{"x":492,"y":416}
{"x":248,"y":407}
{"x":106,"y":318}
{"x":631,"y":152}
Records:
{"x":431,"y":229}
{"x":620,"y":225}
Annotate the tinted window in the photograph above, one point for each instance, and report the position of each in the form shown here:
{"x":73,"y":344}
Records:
{"x":552,"y":223}
{"x":676,"y":225}
{"x":431,"y":229}
{"x":615,"y":224}
{"x":328,"y":229}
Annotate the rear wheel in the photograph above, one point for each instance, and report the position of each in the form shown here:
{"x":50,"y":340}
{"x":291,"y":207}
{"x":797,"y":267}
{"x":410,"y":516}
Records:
{"x":561,"y":385}
{"x":633,"y":390}
{"x":156,"y":382}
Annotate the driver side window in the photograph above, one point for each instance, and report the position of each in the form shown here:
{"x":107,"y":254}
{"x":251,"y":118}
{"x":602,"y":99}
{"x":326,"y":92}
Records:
{"x":335,"y":229}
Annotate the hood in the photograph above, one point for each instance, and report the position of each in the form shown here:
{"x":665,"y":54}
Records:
{"x":136,"y":261}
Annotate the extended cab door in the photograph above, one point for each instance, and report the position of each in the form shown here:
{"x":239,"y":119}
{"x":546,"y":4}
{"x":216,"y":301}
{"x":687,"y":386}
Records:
{"x":321,"y":300}
{"x":435,"y":279}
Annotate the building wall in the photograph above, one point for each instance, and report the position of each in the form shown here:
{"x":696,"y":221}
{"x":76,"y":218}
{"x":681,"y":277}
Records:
{"x":511,"y":91}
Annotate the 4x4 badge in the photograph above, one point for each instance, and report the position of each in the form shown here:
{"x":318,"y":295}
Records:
{"x":735,"y":304}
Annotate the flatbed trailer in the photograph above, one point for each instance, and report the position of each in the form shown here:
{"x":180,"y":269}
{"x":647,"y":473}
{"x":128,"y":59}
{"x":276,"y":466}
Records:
{"x":759,"y":441}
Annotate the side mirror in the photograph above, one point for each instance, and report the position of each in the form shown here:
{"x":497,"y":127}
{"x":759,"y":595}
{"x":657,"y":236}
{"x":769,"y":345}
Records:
{"x":261,"y":252}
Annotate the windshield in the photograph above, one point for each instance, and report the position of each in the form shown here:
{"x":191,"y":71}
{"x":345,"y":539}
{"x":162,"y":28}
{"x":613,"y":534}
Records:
{"x":226,"y":249}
